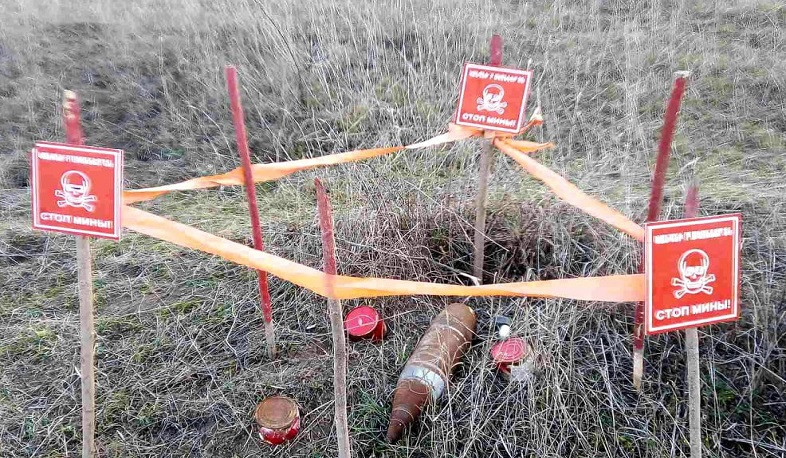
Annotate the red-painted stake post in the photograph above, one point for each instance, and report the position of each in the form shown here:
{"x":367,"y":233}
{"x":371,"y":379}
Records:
{"x":73,"y":128}
{"x":336,"y":321}
{"x":656,"y":199}
{"x":242,"y":146}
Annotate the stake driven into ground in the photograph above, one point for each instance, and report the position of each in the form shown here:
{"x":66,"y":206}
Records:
{"x":84,"y":265}
{"x":654,"y":208}
{"x":325,"y":215}
{"x":486,"y":156}
{"x":692,"y":349}
{"x":256,"y":228}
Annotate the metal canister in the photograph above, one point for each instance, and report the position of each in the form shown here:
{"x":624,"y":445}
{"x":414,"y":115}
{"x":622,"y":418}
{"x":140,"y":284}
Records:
{"x":509,"y":353}
{"x":278,"y":419}
{"x":365,"y":323}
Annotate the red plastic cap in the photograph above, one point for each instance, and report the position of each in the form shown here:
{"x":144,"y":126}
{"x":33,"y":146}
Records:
{"x":361,"y":321}
{"x":509,"y":351}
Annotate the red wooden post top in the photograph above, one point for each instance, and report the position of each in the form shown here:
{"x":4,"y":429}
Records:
{"x":495,"y":49}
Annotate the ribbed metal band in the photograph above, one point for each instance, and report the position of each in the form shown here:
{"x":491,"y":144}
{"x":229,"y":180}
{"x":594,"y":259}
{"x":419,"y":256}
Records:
{"x":431,"y":378}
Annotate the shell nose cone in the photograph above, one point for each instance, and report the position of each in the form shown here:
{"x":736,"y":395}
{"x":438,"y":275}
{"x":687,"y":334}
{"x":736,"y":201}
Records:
{"x":395,"y":430}
{"x":409,"y":399}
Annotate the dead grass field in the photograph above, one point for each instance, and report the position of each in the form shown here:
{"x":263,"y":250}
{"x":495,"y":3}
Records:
{"x":181,"y":360}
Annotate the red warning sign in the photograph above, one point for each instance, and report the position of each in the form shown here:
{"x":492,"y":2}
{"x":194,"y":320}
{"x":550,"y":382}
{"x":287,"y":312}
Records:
{"x":77,"y":189}
{"x":692,"y":270}
{"x":493,"y":97}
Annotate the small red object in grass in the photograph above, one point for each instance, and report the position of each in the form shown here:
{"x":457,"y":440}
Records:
{"x":278,"y":419}
{"x":365,"y":323}
{"x":509,"y":352}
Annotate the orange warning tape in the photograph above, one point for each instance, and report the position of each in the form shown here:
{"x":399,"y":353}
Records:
{"x":614,"y":288}
{"x":275,"y":170}
{"x":261,"y":172}
{"x":567,"y":191}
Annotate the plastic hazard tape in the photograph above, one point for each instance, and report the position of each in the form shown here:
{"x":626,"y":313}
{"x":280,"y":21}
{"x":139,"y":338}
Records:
{"x":569,"y":192}
{"x":260,"y":172}
{"x":274,"y":170}
{"x":516,"y":149}
{"x":614,"y":288}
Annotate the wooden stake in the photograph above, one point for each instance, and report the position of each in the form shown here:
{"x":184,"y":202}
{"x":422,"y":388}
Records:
{"x":87,"y":350}
{"x":692,"y":352}
{"x":486,"y":157}
{"x":694,"y":390}
{"x":653,"y":213}
{"x":480,"y":210}
{"x":251,"y":193}
{"x":73,"y":128}
{"x":336,"y":322}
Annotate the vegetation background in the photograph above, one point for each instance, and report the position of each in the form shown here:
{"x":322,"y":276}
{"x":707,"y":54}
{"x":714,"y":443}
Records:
{"x":181,"y":360}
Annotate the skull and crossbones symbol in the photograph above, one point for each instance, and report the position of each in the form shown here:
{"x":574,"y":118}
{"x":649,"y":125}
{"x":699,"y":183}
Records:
{"x":693,"y":266}
{"x":75,"y":191}
{"x":492,"y":99}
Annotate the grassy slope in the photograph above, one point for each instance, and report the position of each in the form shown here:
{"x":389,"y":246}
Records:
{"x":181,"y":357}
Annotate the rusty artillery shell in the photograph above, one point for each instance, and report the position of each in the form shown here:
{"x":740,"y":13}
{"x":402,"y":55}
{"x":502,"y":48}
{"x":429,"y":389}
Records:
{"x":428,"y":369}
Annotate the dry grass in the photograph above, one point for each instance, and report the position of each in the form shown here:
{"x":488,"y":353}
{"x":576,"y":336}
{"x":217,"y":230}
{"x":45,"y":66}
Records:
{"x":180,"y":343}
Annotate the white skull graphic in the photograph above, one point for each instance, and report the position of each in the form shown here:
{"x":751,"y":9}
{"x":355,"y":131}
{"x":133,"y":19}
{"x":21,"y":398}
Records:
{"x":492,"y":99}
{"x":75,"y":191}
{"x":693,"y":266}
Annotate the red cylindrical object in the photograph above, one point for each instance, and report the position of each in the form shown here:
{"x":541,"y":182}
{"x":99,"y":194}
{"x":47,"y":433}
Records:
{"x":691,"y":201}
{"x":495,"y":50}
{"x":509,"y":353}
{"x":365,"y":323}
{"x":664,"y":148}
{"x":278,"y":419}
